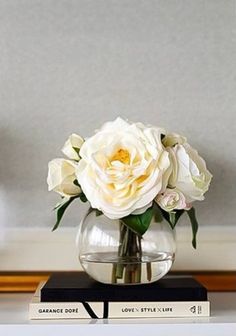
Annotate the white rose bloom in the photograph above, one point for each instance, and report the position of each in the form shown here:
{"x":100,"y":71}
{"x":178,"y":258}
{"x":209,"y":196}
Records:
{"x":61,"y":175}
{"x":173,"y":139}
{"x":171,"y":199}
{"x":189,"y":172}
{"x":123,"y":167}
{"x":69,"y":149}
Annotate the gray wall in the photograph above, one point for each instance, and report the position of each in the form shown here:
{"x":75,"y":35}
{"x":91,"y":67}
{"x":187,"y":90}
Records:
{"x":67,"y":66}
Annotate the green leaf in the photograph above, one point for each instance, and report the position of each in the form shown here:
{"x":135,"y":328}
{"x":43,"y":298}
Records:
{"x":75,"y":182}
{"x":139,"y":223}
{"x":61,"y":209}
{"x":192,"y":216}
{"x":157,"y":213}
{"x":59,"y":204}
{"x":98,"y":212}
{"x":178,"y":214}
{"x":77,"y":150}
{"x":165,"y":215}
{"x":82,"y":197}
{"x":172,"y":217}
{"x":162,"y":136}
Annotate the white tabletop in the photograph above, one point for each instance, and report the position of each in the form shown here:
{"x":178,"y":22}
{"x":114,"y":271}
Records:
{"x":14,"y":321}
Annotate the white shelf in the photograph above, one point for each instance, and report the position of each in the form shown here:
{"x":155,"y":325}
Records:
{"x":14,"y":321}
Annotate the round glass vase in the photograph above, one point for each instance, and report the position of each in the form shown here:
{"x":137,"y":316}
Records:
{"x":111,"y":253}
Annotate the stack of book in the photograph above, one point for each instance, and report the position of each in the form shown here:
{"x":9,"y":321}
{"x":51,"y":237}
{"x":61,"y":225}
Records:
{"x":77,"y":296}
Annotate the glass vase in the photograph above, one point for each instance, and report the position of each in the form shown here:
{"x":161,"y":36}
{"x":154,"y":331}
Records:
{"x":111,"y":253}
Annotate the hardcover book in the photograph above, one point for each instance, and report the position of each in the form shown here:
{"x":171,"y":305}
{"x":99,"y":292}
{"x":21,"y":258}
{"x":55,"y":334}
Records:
{"x":79,"y":287}
{"x":87,"y":310}
{"x":114,"y":309}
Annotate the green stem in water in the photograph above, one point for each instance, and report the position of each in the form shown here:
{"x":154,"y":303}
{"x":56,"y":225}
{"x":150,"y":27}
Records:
{"x":130,"y":249}
{"x":149,"y":271}
{"x":121,"y":251}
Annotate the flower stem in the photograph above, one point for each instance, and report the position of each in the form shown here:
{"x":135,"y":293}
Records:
{"x":129,"y":265}
{"x":149,"y":271}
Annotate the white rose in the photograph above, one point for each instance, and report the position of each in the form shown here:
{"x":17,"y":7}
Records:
{"x":123,"y":167}
{"x":189,"y":172}
{"x":61,"y":175}
{"x":172,"y":139}
{"x":171,"y":199}
{"x":72,"y":146}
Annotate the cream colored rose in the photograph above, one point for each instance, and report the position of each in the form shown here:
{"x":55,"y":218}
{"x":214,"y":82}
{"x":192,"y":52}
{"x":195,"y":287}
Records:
{"x":61,"y":175}
{"x":171,"y":199}
{"x":189,"y":173}
{"x":172,"y":139}
{"x":123,"y":167}
{"x":72,"y":146}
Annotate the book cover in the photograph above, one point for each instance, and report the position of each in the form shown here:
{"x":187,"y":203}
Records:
{"x":86,"y":310}
{"x":79,"y":287}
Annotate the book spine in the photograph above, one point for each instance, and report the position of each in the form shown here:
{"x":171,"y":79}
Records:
{"x":79,"y":310}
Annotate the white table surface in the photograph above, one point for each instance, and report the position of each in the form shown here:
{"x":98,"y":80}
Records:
{"x":14,"y":321}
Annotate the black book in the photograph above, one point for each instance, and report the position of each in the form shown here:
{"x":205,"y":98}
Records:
{"x":79,"y":287}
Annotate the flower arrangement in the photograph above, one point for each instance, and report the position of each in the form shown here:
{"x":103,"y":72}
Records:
{"x":127,"y":170}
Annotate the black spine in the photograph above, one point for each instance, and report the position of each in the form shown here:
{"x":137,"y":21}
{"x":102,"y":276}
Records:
{"x":105,"y":309}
